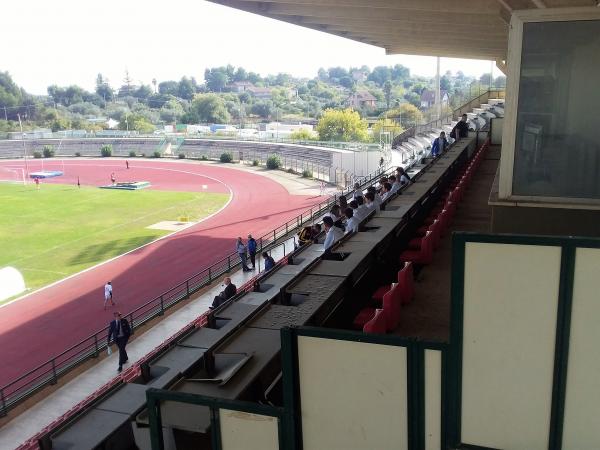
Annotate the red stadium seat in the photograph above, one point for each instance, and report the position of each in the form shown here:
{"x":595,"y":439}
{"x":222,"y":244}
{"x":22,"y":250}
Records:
{"x":391,"y":311}
{"x":422,"y":256}
{"x":405,"y":282}
{"x":377,"y":324}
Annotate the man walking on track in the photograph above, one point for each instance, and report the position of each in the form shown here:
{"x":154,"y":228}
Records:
{"x":252,"y":250}
{"x":108,"y":294}
{"x":127,"y":164}
{"x":120,"y":331}
{"x":113,"y":178}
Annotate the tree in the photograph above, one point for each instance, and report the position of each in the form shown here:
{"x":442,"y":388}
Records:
{"x":127,"y":82}
{"x":413,"y":98}
{"x":240,"y":74}
{"x":347,"y":82}
{"x":386,"y":125}
{"x":342,"y":125}
{"x":500,"y":81}
{"x":210,"y":108}
{"x":380,"y":75}
{"x":103,"y":89}
{"x":216,"y":78}
{"x":302,"y":135}
{"x":136,"y":122}
{"x":485,"y":79}
{"x":186,"y":89}
{"x":387,"y":92}
{"x":408,"y":115}
{"x":10,"y":94}
{"x":262,"y":108}
{"x":168,"y":88}
{"x":143,"y":92}
{"x":154,"y":84}
{"x":445,"y":83}
{"x":171,"y":111}
{"x":399,"y":72}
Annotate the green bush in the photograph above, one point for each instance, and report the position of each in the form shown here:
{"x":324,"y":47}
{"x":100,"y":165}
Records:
{"x":255,"y":162}
{"x":203,"y":158}
{"x":106,"y":150}
{"x":77,"y":153}
{"x":143,"y":155}
{"x":156,"y":154}
{"x":48,"y":151}
{"x":306,"y":173}
{"x":37,"y":155}
{"x":290,"y":170}
{"x":273,"y":162}
{"x":181,"y":156}
{"x":226,"y":157}
{"x":132,"y":154}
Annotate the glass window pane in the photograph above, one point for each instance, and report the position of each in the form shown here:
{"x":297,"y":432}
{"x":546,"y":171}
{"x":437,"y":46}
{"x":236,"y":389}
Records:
{"x":557,"y":149}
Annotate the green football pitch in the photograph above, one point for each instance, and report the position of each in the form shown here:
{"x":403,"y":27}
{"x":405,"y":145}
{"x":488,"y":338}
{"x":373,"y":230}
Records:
{"x":59,"y":230}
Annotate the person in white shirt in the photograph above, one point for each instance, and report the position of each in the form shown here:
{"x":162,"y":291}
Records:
{"x":387,"y":191}
{"x":362,"y":212}
{"x":351,"y":221}
{"x":395,"y":184}
{"x":376,"y":197}
{"x":332,"y":233}
{"x":402,"y":176}
{"x":108,"y":294}
{"x":355,"y":212}
{"x":334,"y":213}
{"x":370,"y":205}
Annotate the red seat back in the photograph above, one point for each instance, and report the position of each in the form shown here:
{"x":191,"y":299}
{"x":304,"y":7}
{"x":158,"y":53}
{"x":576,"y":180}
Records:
{"x":377,"y":324}
{"x":391,"y":307}
{"x":406,"y":283}
{"x":427,"y":248}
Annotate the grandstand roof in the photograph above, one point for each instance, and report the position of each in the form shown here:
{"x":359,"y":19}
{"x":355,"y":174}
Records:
{"x":452,"y":28}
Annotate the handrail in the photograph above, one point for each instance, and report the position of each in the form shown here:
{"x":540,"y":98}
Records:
{"x":468,"y":106}
{"x":47,"y":373}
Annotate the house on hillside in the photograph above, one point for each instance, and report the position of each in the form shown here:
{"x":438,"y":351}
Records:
{"x":260,"y":92}
{"x":361,"y":100}
{"x":239,"y":86}
{"x":428,"y":98}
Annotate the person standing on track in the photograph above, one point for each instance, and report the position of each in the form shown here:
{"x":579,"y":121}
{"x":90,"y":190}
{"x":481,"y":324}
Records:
{"x":108,"y":294}
{"x":120,"y":331}
{"x":113,"y":178}
{"x":252,"y":250}
{"x":127,"y":164}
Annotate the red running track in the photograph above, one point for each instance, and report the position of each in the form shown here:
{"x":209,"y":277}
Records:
{"x":45,"y":323}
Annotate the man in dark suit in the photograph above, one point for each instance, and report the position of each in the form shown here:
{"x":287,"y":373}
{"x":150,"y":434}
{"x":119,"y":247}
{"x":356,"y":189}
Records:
{"x":120,"y":331}
{"x":225,"y":294}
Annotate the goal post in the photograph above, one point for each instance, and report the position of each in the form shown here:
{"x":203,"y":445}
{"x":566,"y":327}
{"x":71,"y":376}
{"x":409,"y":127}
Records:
{"x":12,"y":175}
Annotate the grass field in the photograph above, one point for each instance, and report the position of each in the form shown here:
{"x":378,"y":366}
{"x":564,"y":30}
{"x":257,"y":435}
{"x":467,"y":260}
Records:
{"x":59,"y":230}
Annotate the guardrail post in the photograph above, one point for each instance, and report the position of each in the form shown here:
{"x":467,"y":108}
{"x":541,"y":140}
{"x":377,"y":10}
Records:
{"x":187,"y":288}
{"x":96,"y":350}
{"x":131,"y":323}
{"x":274,"y":236}
{"x":286,"y":225}
{"x":162,"y":306}
{"x":54,"y":377}
{"x":229,"y":264}
{"x":209,"y":275}
{"x":3,"y":411}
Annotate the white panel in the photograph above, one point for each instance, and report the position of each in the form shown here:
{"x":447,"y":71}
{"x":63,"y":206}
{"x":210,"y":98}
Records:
{"x":582,"y":402}
{"x":352,"y":395}
{"x":245,"y":431}
{"x":510,"y":307}
{"x":433,"y":399}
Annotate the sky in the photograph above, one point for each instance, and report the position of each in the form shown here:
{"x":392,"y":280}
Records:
{"x":68,"y":42}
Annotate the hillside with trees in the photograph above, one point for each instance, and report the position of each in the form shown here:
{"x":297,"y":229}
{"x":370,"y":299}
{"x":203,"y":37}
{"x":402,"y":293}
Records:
{"x":237,"y":96}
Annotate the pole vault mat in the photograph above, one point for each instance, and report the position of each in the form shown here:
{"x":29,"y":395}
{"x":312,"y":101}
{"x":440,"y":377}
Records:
{"x":128,"y":185}
{"x":46,"y":174}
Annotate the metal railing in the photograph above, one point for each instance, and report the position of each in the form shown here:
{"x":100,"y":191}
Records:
{"x":48,"y":373}
{"x":448,"y":118}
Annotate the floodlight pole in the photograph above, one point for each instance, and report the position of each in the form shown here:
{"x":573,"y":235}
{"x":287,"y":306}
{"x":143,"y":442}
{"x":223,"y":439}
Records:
{"x":24,"y":148}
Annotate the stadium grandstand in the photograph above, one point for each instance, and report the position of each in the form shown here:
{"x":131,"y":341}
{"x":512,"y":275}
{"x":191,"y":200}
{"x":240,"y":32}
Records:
{"x":461,"y":314}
